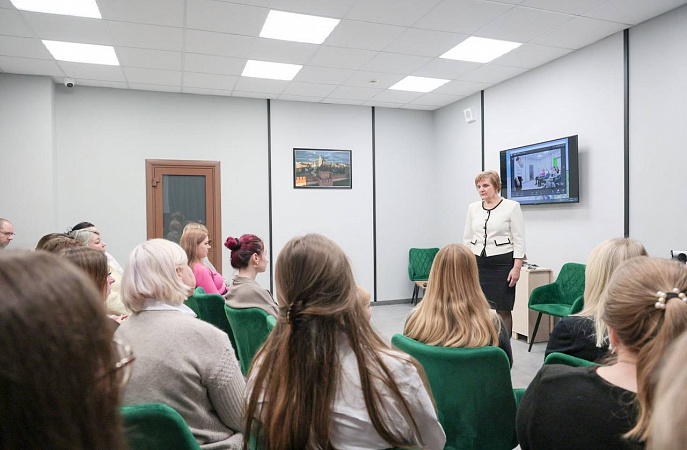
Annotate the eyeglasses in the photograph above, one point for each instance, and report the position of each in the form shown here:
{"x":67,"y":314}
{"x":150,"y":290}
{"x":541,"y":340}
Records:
{"x":7,"y":233}
{"x":123,"y":367}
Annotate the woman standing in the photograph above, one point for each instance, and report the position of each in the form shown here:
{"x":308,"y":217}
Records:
{"x":196,"y":244}
{"x":248,"y":257}
{"x":495,"y":232}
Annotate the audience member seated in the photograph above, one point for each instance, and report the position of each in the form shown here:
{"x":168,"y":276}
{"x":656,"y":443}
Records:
{"x":324,"y":379}
{"x":196,"y":244}
{"x":199,"y":226}
{"x":584,"y":335}
{"x":88,"y":235}
{"x":610,"y":407}
{"x":454,"y":311}
{"x":183,"y":362}
{"x":248,"y":257}
{"x":668,"y":431}
{"x":94,"y":263}
{"x":59,"y":243}
{"x":60,"y":372}
{"x":44,"y":240}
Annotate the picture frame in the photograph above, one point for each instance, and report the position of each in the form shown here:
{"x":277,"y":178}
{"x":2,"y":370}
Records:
{"x":322,"y":169}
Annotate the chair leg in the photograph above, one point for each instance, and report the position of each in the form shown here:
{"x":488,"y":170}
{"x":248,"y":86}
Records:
{"x":416,"y":290}
{"x":534,"y":335}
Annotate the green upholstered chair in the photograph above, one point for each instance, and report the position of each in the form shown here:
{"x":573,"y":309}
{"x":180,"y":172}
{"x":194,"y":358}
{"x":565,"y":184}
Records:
{"x":473,"y":393}
{"x":155,"y":426}
{"x":557,"y":299}
{"x":562,"y":358}
{"x":271,"y":322}
{"x":250,"y":332}
{"x":192,"y":302}
{"x":419,"y":264}
{"x":211,"y":310}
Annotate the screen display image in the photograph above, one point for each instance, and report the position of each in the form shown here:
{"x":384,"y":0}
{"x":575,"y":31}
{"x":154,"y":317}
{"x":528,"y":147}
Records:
{"x":541,"y":173}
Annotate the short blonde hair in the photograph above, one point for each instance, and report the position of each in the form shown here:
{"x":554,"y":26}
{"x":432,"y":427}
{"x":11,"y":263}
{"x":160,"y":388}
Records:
{"x":151,"y":273}
{"x":491,"y":176}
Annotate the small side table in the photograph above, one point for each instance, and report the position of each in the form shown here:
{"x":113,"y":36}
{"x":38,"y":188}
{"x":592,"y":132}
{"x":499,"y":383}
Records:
{"x":523,"y":317}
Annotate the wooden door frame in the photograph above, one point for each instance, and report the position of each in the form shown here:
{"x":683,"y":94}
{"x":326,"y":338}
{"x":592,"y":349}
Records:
{"x":214,"y":166}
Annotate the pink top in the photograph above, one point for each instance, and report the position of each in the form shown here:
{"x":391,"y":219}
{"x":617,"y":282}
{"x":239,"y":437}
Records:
{"x":209,"y":280}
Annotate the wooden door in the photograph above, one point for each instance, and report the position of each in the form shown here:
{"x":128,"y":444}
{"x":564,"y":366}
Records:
{"x":179,"y":192}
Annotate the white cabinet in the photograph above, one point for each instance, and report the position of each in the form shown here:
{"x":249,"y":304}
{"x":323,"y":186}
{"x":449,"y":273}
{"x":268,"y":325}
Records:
{"x":524,"y":318}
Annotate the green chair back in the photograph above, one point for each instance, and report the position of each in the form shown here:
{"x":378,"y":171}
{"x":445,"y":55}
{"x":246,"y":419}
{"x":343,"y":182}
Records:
{"x":192,"y":302}
{"x":557,"y":298}
{"x":473,"y":392}
{"x":271,"y":322}
{"x":420,"y":262}
{"x":211,"y":310}
{"x":155,"y":426}
{"x":250,"y":332}
{"x":562,"y":358}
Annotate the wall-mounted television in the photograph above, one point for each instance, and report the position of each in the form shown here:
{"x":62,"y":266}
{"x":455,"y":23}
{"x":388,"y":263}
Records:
{"x":542,"y":173}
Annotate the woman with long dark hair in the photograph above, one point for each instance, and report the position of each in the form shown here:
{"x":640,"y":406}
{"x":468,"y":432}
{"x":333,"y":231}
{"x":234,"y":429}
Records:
{"x":324,"y":379}
{"x":60,"y":370}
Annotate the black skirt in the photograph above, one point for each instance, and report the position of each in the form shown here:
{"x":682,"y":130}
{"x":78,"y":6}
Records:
{"x":493,"y":277}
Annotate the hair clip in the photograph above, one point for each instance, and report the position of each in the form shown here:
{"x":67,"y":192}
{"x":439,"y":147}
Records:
{"x":663,"y":297}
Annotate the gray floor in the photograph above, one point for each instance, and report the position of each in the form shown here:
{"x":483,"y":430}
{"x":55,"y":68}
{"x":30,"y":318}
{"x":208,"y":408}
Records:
{"x":389,"y":319}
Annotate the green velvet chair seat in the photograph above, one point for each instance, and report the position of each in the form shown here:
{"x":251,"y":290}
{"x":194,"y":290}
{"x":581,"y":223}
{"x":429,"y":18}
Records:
{"x":562,"y":358}
{"x":473,"y":392}
{"x":271,"y":322}
{"x":250,"y":332}
{"x":560,"y":298}
{"x":156,"y":426}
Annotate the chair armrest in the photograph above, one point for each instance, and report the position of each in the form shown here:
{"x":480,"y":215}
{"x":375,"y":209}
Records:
{"x":578,"y":305}
{"x":549,"y":293}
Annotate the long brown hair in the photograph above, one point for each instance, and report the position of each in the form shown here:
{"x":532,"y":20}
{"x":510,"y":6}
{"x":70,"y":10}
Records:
{"x":298,"y":369}
{"x":190,"y":241}
{"x":644,"y":329}
{"x":454,"y":312}
{"x":57,"y":387}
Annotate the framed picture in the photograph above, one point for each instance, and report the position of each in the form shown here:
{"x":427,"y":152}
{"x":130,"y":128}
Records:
{"x":321,"y":169}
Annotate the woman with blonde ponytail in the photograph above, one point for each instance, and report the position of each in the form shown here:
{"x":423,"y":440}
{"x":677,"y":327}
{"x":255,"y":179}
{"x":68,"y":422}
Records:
{"x":645,"y":310}
{"x":324,"y":379}
{"x":454,"y":312}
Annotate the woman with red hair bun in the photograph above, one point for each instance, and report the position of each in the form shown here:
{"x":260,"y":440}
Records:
{"x":248,"y":257}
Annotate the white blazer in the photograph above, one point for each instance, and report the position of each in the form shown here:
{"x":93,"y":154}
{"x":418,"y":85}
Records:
{"x":497,"y":231}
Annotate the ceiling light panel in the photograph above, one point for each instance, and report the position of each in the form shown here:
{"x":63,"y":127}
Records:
{"x":270,"y":70}
{"x":418,"y":84}
{"x":82,"y":53}
{"x":78,"y":8}
{"x":481,"y":50}
{"x":297,"y":27}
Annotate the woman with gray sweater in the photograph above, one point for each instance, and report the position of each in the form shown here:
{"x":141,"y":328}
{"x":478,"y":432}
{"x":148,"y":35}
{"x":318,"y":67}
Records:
{"x":180,"y":361}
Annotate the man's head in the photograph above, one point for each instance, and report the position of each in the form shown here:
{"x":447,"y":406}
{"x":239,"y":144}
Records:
{"x":6,"y":233}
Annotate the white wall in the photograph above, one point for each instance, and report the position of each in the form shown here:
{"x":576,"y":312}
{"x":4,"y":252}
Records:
{"x":581,"y":93}
{"x":459,"y":159}
{"x":658,"y":133}
{"x":26,"y":157}
{"x":343,"y":215}
{"x":104,"y":137}
{"x":407,"y":186}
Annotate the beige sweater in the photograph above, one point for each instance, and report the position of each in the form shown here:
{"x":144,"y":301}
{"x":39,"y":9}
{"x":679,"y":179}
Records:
{"x":245,"y":293}
{"x":189,"y":365}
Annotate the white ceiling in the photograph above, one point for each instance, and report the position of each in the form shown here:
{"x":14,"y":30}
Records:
{"x":201,"y":46}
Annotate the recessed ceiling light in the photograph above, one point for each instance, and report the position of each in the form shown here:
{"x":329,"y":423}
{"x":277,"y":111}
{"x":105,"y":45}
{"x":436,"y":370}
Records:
{"x":480,"y":50}
{"x":270,"y":70}
{"x":297,"y":27}
{"x":82,"y":53}
{"x":79,"y":8}
{"x":418,"y":84}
